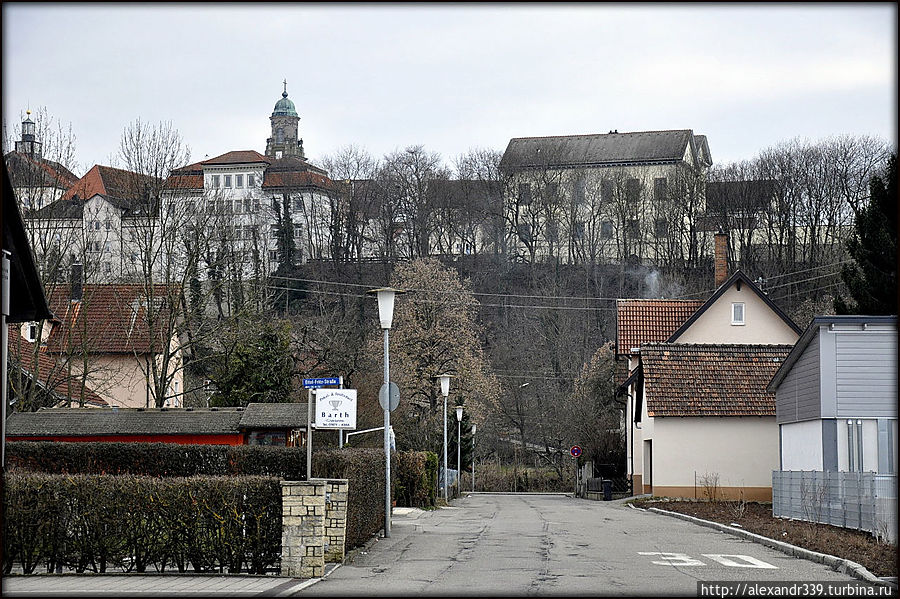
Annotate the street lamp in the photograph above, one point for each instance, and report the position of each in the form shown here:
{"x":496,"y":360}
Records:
{"x":385,"y":297}
{"x":459,"y":411}
{"x":473,"y":458}
{"x":445,"y":391}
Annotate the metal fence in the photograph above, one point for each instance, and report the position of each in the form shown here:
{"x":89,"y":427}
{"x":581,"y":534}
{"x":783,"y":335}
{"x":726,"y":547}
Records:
{"x":860,"y":500}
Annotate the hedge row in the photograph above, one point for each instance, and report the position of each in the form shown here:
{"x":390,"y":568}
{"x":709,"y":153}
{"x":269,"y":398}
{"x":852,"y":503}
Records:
{"x":417,"y":478}
{"x":364,"y":468}
{"x":414,"y":474}
{"x":94,"y":522}
{"x":157,"y":459}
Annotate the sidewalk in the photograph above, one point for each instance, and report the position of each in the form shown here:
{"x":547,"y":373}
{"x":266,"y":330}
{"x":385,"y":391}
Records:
{"x":154,"y":585}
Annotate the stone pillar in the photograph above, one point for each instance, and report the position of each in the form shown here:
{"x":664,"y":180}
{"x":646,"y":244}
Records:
{"x":336,"y":519}
{"x":303,"y":528}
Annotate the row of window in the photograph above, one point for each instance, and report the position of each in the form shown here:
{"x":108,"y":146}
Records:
{"x":247,"y":232}
{"x":549,"y":192}
{"x":248,"y":256}
{"x":232,"y":181}
{"x":607,"y":229}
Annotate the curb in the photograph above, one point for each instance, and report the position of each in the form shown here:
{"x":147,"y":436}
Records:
{"x":838,"y":564}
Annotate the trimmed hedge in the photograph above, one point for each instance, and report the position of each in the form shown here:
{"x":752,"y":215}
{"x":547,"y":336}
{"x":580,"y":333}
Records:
{"x":93,"y":522}
{"x":417,"y":478}
{"x":364,"y":468}
{"x":157,"y":459}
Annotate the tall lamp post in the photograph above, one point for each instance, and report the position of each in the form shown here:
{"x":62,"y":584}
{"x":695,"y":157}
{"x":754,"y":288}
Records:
{"x":385,"y":297}
{"x":473,"y":457}
{"x":445,"y":391}
{"x":459,"y":411}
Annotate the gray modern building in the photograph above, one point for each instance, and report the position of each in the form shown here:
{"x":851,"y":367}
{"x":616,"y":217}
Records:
{"x":836,"y":396}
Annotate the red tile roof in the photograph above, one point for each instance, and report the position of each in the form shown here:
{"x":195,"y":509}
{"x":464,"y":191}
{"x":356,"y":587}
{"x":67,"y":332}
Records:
{"x":110,"y":182}
{"x":25,"y":170}
{"x":50,"y":371}
{"x":238,"y":157}
{"x":710,"y":379}
{"x":109,"y":319}
{"x":641,"y":321}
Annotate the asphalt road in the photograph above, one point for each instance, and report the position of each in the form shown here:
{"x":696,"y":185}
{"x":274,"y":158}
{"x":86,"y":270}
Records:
{"x":555,"y":545}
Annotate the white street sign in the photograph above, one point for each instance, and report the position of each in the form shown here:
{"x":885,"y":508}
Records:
{"x":336,"y":409}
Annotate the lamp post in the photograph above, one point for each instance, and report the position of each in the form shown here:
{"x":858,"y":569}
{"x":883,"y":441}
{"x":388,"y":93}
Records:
{"x":385,"y":297}
{"x":459,"y":411}
{"x":473,"y":458}
{"x":445,"y":391}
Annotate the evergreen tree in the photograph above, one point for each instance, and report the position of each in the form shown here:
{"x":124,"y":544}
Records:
{"x":872,"y":278}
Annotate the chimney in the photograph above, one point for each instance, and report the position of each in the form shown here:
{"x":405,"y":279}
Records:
{"x":76,"y":284}
{"x":721,"y":258}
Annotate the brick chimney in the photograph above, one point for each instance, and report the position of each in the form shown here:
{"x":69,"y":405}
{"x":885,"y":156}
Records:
{"x":721,"y":261}
{"x":76,"y":284}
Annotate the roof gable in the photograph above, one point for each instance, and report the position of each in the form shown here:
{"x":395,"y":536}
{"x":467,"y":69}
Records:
{"x":710,"y":379}
{"x":741,"y":280}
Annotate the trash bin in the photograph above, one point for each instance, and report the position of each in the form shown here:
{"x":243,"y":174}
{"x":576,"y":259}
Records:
{"x":607,"y":489}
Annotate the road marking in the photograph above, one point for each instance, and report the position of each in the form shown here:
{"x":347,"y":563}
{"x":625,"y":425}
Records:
{"x":729,"y":560}
{"x":673,"y":559}
{"x":726,"y":559}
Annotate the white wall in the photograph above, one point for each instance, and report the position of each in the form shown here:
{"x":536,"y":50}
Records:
{"x":761,"y":326}
{"x":743,"y":451}
{"x":801,"y":446}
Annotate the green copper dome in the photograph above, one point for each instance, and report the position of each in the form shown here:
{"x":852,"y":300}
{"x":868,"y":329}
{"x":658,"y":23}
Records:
{"x":284,"y":107}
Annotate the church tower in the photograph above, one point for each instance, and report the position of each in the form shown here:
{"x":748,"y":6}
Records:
{"x":29,"y":144}
{"x":285,"y":122}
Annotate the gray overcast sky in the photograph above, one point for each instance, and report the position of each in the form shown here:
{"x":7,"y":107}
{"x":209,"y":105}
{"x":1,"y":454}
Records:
{"x":453,"y":77}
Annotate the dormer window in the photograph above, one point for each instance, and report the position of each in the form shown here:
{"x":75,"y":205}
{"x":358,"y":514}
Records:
{"x":31,"y":332}
{"x":737,"y":313}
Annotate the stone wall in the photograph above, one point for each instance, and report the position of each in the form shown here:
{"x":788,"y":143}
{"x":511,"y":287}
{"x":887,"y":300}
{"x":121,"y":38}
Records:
{"x":303,"y":528}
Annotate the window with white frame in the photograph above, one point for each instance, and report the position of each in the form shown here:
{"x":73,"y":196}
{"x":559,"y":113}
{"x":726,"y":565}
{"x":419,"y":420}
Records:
{"x":227,"y":180}
{"x":214,"y":181}
{"x":251,"y":180}
{"x":31,"y":332}
{"x":239,"y":180}
{"x":737,"y":313}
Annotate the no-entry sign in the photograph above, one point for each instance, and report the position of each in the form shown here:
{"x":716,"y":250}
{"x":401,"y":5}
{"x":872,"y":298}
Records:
{"x":575,"y":451}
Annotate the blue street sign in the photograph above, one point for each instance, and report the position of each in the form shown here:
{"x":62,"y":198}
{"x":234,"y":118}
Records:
{"x":323,"y":382}
{"x":575,"y":451}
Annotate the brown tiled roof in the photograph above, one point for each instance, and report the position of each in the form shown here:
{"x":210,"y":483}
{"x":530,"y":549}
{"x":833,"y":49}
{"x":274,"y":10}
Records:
{"x":710,"y":379}
{"x":113,"y":183}
{"x":641,"y":321}
{"x":48,"y":370}
{"x":295,"y":179}
{"x":27,"y":171}
{"x":109,"y":319}
{"x":72,"y":422}
{"x":238,"y":157}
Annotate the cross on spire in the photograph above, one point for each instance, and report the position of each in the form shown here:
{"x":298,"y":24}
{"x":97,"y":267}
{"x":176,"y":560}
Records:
{"x":285,"y":86}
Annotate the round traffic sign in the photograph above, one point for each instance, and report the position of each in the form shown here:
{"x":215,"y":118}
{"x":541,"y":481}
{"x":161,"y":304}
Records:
{"x":575,"y":451}
{"x":389,"y":401}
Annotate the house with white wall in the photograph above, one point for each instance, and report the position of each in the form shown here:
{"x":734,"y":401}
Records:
{"x":836,"y":397}
{"x":697,"y":407}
